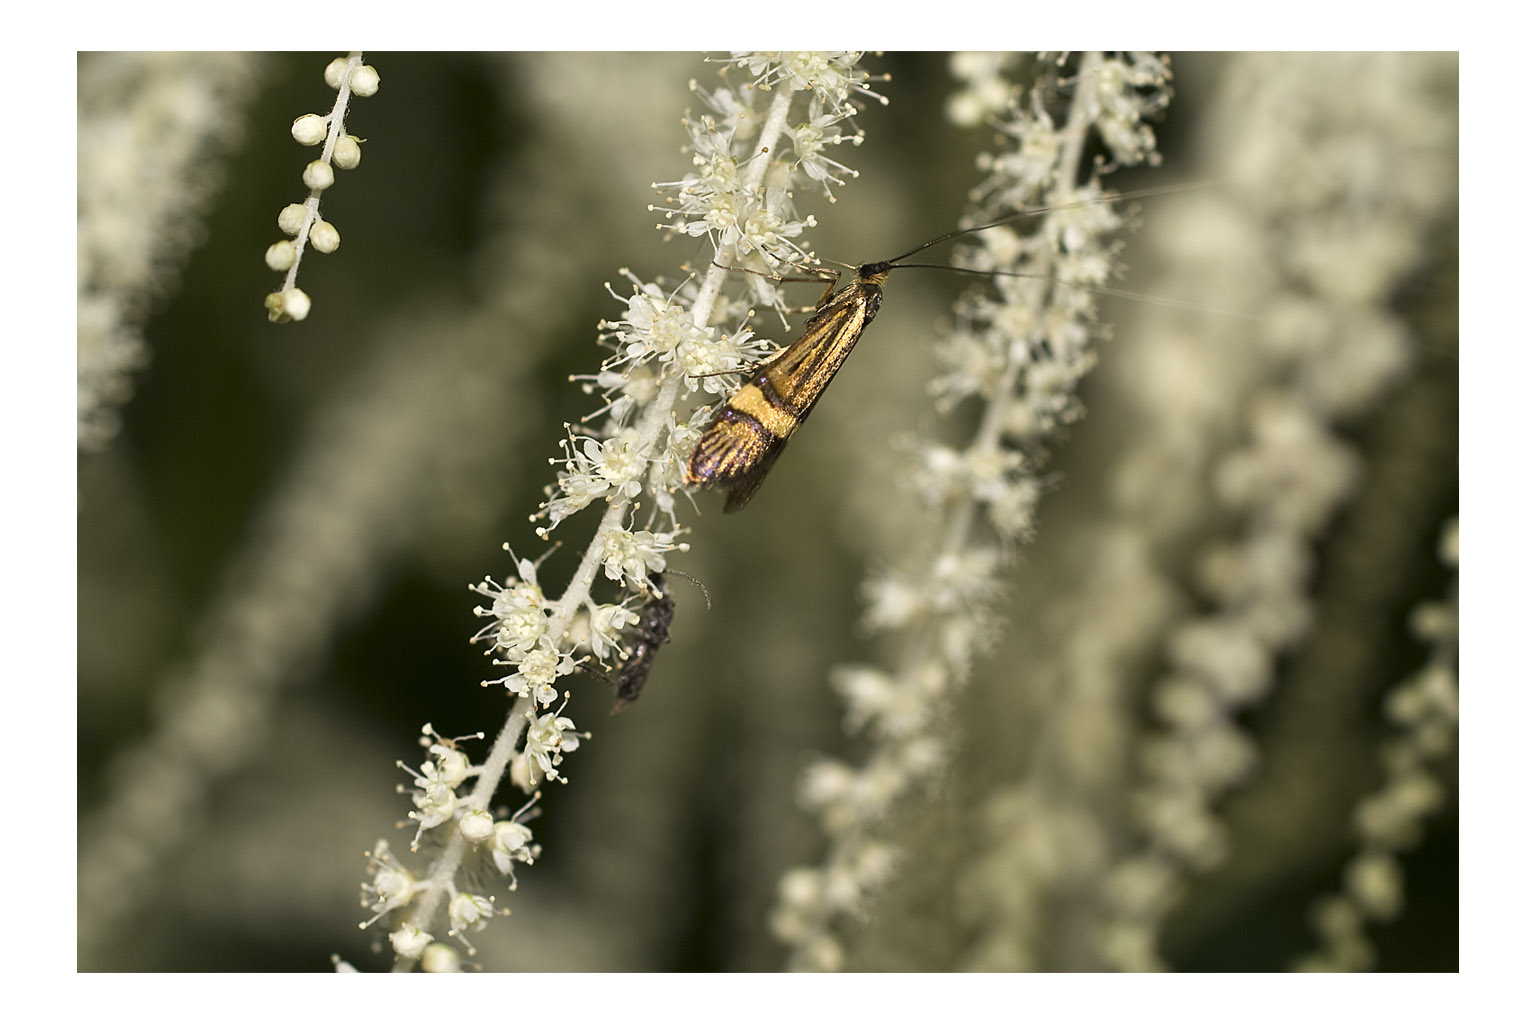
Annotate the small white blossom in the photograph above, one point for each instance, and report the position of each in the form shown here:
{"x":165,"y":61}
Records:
{"x":435,"y":803}
{"x":833,"y":77}
{"x":538,"y":671}
{"x":468,"y":913}
{"x":550,"y":737}
{"x":986,"y":92}
{"x":606,"y":624}
{"x":892,"y":602}
{"x":519,"y":612}
{"x":512,"y":842}
{"x":390,"y":886}
{"x":409,"y":942}
{"x":630,"y":556}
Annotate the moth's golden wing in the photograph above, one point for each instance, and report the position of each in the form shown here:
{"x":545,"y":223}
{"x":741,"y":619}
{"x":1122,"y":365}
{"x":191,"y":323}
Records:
{"x":744,"y":439}
{"x":735,"y":453}
{"x":741,"y":490}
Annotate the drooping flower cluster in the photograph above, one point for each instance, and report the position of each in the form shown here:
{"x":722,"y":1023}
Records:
{"x":1425,"y":709}
{"x":301,"y":222}
{"x":1021,"y":353}
{"x":436,"y":793}
{"x":1329,"y":348}
{"x":152,"y":130}
{"x":749,"y":155}
{"x":746,"y":214}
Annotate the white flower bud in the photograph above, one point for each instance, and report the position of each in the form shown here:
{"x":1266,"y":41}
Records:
{"x":280,"y":255}
{"x":309,"y":130}
{"x":347,"y":154}
{"x":477,"y":827}
{"x":291,"y":219}
{"x":441,"y":958}
{"x":365,"y":81}
{"x":324,"y":236}
{"x":333,"y":72}
{"x":319,"y":175}
{"x":283,"y":306}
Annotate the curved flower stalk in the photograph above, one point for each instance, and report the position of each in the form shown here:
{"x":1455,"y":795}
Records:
{"x":1334,"y":189}
{"x":301,"y":222}
{"x":1425,"y":710}
{"x":152,"y":127}
{"x":1020,"y":355}
{"x":763,"y":135}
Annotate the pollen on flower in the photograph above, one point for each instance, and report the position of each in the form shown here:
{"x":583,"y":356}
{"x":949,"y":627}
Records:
{"x":518,"y":611}
{"x":811,"y":140}
{"x":831,"y":76}
{"x":630,"y":556}
{"x":606,"y":624}
{"x":549,"y":738}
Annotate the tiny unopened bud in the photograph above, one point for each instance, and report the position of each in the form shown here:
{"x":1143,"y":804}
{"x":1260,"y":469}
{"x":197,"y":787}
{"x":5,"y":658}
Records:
{"x":280,"y":255}
{"x":290,"y":220}
{"x":324,"y":236}
{"x":319,"y":175}
{"x":477,"y":827}
{"x":287,"y":305}
{"x":347,"y":154}
{"x":365,"y":81}
{"x":441,"y":958}
{"x":309,"y":130}
{"x":333,"y":72}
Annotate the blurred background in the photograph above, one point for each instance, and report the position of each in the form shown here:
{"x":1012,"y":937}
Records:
{"x":277,"y":532}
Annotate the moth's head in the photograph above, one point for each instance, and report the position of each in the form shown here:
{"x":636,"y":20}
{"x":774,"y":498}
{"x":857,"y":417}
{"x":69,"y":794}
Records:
{"x":875,"y":273}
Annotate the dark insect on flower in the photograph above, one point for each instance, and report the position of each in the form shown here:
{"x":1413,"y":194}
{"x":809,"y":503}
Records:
{"x":652,"y":631}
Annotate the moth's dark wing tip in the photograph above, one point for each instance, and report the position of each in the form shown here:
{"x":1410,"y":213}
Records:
{"x":746,"y":485}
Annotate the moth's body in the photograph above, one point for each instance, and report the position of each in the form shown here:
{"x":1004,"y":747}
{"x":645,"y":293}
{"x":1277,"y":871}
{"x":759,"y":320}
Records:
{"x":741,"y":443}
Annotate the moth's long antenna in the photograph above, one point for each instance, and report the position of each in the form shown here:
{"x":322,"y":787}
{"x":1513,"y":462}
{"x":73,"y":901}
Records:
{"x":1120,"y":293}
{"x":1035,"y":211}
